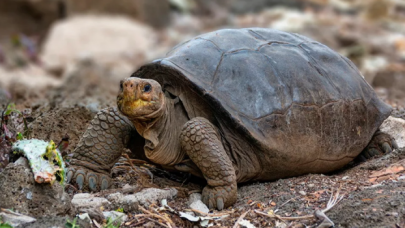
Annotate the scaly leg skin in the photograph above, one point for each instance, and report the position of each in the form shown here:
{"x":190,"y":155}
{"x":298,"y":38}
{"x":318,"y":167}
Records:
{"x":381,"y":143}
{"x":98,"y":150}
{"x":202,"y":144}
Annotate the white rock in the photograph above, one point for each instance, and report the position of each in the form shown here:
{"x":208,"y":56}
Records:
{"x":107,"y":40}
{"x":15,"y":219}
{"x":149,"y":195}
{"x":86,"y":200}
{"x":115,"y":198}
{"x":302,"y":193}
{"x":115,"y":214}
{"x":396,"y":128}
{"x":246,"y":223}
{"x":84,"y":217}
{"x":200,"y":206}
{"x":194,"y":197}
{"x":22,"y":161}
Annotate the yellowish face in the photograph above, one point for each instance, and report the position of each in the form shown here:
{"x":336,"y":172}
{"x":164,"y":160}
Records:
{"x":139,"y":97}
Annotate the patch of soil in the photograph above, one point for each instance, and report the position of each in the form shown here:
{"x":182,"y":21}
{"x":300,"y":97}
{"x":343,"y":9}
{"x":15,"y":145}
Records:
{"x":57,"y":221}
{"x":379,"y":206}
{"x":56,"y":123}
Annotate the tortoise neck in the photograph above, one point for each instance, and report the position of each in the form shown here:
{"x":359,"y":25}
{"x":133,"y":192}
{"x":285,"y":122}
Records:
{"x":161,"y":134}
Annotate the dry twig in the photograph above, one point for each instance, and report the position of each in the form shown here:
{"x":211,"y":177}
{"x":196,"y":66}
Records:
{"x":168,"y":221}
{"x":211,"y":215}
{"x":129,"y":160}
{"x":155,"y":221}
{"x":334,"y":199}
{"x":326,"y":222}
{"x":240,"y":219}
{"x":135,"y":222}
{"x":284,"y":204}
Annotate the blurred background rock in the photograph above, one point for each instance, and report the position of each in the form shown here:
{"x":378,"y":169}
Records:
{"x":41,"y":41}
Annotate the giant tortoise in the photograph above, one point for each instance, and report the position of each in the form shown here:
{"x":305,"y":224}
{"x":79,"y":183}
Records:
{"x":237,"y":105}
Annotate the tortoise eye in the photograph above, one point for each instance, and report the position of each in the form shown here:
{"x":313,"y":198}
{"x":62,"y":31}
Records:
{"x":147,"y":88}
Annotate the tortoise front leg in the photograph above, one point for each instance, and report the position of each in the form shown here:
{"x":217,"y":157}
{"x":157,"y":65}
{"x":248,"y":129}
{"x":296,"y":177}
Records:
{"x":98,"y":150}
{"x":201,"y":141}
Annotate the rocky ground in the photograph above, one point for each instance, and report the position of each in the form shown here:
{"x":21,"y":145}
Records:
{"x":59,"y":91}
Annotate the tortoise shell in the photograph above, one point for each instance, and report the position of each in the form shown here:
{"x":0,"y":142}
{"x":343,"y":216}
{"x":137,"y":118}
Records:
{"x":290,"y":96}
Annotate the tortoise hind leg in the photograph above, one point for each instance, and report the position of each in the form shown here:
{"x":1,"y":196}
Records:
{"x":381,"y":143}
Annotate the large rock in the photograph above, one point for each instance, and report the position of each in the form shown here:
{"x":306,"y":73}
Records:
{"x":86,"y":202}
{"x":106,"y":40}
{"x":147,"y":196}
{"x":15,"y":219}
{"x":152,"y":12}
{"x":116,"y":216}
{"x":241,"y":6}
{"x":396,"y":128}
{"x":19,"y":191}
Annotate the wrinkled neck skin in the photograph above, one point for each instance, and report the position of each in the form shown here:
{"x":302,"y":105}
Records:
{"x":161,"y":131}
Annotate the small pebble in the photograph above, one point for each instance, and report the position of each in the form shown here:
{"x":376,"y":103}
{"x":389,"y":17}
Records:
{"x":302,"y":193}
{"x":395,"y":214}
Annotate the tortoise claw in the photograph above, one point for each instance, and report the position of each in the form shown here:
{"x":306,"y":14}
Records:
{"x":87,"y":180}
{"x":105,"y":182}
{"x":220,"y":203}
{"x":92,"y":179}
{"x":386,"y":148}
{"x":219,"y":197}
{"x":79,"y":178}
{"x":69,"y":175}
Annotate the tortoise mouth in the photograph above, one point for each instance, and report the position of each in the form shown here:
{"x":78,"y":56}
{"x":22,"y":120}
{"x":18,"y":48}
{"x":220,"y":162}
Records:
{"x":132,"y":107}
{"x":139,"y":98}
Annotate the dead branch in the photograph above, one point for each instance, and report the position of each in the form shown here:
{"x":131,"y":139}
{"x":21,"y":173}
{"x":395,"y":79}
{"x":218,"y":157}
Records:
{"x":240,"y":219}
{"x":168,"y":221}
{"x":326,"y":222}
{"x":212,"y":215}
{"x":136,"y":222}
{"x":284,"y":203}
{"x":155,"y":221}
{"x":129,"y":160}
{"x":333,"y":200}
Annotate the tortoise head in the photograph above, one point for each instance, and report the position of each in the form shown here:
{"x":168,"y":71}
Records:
{"x":140,"y":98}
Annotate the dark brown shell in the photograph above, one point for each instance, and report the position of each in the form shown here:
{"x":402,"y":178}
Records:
{"x":279,"y":86}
